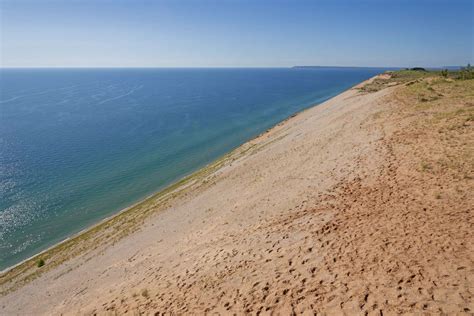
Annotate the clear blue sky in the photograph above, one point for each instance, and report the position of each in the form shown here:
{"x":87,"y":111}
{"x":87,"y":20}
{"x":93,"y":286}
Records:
{"x":201,"y":33}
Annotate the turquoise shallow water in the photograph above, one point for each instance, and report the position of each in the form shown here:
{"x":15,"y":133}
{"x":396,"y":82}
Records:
{"x":77,"y":145}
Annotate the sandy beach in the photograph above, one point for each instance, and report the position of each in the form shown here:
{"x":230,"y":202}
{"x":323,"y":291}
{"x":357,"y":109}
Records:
{"x":360,"y":205}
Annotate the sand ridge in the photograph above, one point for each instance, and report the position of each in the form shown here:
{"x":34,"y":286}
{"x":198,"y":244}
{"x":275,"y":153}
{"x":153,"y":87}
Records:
{"x":331,"y":213}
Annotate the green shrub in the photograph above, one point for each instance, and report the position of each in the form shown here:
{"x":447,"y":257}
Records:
{"x":466,"y":73}
{"x":40,"y":263}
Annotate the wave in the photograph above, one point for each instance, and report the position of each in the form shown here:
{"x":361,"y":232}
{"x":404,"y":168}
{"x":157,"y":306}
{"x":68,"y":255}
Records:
{"x":122,"y":95}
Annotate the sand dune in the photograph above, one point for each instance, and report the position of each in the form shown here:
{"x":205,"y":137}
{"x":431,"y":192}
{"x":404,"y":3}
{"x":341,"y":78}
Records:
{"x":362,"y":204}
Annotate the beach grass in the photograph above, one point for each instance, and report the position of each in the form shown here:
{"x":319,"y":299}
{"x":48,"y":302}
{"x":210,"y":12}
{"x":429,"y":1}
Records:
{"x":412,"y":77}
{"x":444,"y":104}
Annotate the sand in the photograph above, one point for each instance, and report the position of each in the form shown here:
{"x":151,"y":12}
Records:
{"x":362,"y":204}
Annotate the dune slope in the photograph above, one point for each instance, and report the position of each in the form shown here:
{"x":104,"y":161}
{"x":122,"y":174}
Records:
{"x":362,"y":204}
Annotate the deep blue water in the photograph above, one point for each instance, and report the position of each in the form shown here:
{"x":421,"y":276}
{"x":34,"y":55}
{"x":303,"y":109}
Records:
{"x":77,"y":145}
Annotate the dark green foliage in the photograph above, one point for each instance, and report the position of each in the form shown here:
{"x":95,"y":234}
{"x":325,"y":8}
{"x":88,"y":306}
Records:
{"x":466,"y":73}
{"x":418,"y":69}
{"x":444,"y":73}
{"x":40,"y":263}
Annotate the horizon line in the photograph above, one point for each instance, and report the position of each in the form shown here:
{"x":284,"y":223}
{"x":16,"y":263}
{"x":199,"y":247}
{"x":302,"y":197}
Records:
{"x":213,"y":67}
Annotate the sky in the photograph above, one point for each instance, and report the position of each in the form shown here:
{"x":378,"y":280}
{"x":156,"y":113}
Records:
{"x":235,"y":33}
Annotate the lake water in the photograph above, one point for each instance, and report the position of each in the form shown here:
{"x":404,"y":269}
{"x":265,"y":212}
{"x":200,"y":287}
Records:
{"x":77,"y":145}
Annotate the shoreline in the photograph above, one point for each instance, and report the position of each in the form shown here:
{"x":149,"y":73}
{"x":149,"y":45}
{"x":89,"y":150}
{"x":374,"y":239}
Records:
{"x":170,"y":188}
{"x":144,"y":199}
